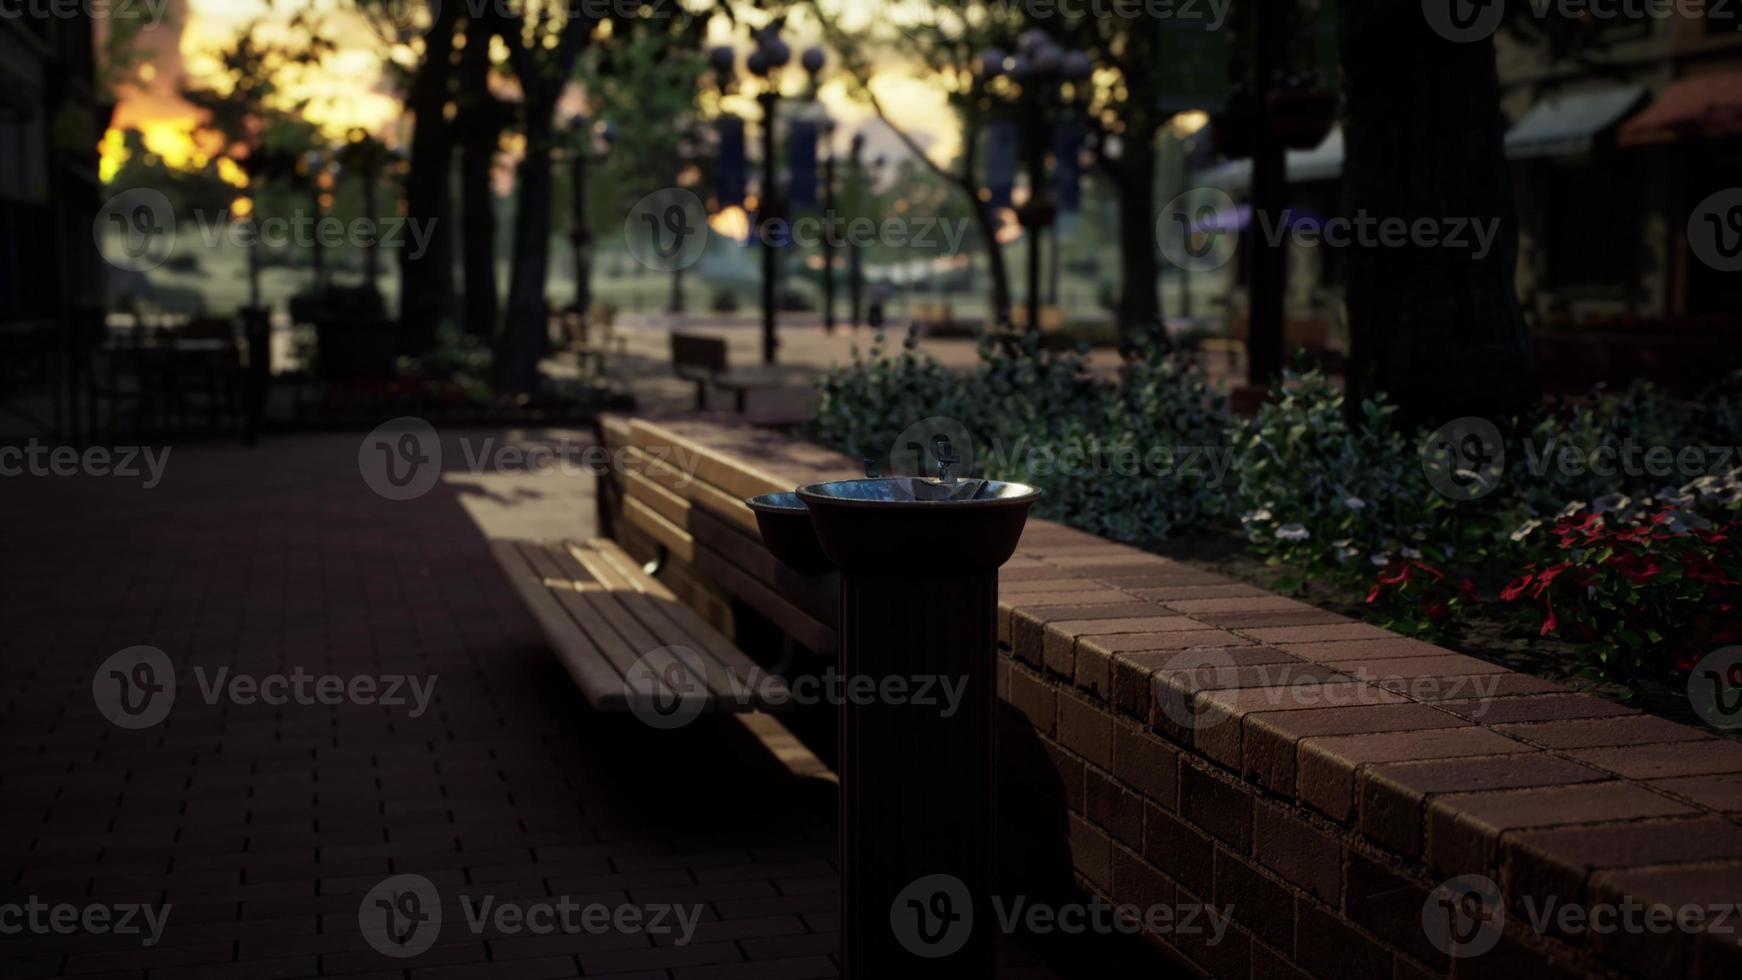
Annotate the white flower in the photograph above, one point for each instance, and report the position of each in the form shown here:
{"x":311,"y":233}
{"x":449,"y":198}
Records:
{"x":1344,"y":554}
{"x":1525,"y":529}
{"x":1261,"y":514}
{"x":1380,"y":558}
{"x":1294,"y":531}
{"x":1611,"y":502}
{"x":1354,"y":503}
{"x":1571,"y":509}
{"x":1409,"y":552}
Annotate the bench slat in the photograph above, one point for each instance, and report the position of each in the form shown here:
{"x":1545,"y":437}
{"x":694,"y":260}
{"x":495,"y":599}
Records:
{"x":601,"y":684}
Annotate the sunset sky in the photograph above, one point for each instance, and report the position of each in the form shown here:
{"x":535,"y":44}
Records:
{"x":350,"y":88}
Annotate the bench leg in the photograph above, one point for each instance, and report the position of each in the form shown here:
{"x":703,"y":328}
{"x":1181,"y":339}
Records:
{"x":701,"y":396}
{"x":740,"y":399}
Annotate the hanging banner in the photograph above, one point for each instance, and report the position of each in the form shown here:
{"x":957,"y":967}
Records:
{"x":733,"y":170}
{"x":1067,"y":147}
{"x":801,"y":152}
{"x":1000,"y":163}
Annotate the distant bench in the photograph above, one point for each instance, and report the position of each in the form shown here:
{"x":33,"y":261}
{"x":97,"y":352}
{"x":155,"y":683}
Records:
{"x":624,"y":638}
{"x":703,"y":360}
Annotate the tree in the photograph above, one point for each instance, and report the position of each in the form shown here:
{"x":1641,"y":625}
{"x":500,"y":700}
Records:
{"x":1436,"y":328}
{"x":480,"y":120}
{"x":426,"y":297}
{"x":648,"y":77}
{"x":260,"y":130}
{"x":543,"y":53}
{"x":947,"y":42}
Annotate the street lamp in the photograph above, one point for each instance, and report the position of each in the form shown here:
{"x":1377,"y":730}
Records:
{"x":1040,"y":69}
{"x":766,"y":60}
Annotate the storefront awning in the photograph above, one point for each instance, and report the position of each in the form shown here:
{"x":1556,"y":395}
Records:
{"x":1702,"y":107}
{"x":1322,"y":162}
{"x":1571,"y":123}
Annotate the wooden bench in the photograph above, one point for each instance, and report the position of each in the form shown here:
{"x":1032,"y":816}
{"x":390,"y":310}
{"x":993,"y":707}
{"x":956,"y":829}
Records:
{"x":589,"y":337}
{"x":629,"y":644}
{"x":703,"y":360}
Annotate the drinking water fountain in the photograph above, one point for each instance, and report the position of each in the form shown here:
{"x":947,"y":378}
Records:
{"x":918,"y":559}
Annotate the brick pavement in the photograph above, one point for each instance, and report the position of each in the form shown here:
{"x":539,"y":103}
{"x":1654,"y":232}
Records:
{"x":262,"y":827}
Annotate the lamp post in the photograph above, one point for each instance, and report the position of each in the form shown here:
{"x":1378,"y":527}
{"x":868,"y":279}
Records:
{"x":765,"y":61}
{"x":829,"y":242}
{"x":1040,"y":68}
{"x":855,"y":266}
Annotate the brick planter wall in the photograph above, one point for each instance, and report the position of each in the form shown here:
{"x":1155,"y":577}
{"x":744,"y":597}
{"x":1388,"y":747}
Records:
{"x":1188,"y":739}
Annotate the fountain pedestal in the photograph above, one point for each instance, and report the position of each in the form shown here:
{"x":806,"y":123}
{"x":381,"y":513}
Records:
{"x":918,"y":561}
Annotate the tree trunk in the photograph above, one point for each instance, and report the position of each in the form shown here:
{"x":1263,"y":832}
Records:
{"x":524,"y":335}
{"x":1436,"y":327}
{"x":994,"y":259}
{"x":481,"y":121}
{"x":1139,"y":309}
{"x":427,"y":278}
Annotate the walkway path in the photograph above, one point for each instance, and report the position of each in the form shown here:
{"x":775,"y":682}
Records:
{"x":261,"y":828}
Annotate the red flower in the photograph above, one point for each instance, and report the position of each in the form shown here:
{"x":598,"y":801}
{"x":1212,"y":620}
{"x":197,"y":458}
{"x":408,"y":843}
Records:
{"x":1546,"y":577}
{"x":1705,"y":570}
{"x":1468,"y":588}
{"x":1549,"y":623}
{"x":1634,"y":568}
{"x":1438,"y":575}
{"x":1516,"y":587}
{"x":1436,"y":610}
{"x":1398,"y":577}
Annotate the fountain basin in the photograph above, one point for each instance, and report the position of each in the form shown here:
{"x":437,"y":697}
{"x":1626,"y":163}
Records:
{"x":918,"y":526}
{"x":787,"y":532}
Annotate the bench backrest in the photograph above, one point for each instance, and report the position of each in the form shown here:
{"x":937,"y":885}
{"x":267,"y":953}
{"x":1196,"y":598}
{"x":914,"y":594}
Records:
{"x":692,"y":354}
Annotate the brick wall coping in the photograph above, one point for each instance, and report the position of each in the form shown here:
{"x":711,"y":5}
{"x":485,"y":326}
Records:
{"x":1434,"y":763}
